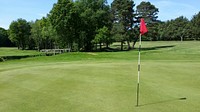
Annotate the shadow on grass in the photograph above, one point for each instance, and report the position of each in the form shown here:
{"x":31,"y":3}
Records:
{"x":144,"y":49}
{"x":165,"y":101}
{"x":157,"y":47}
{"x":109,"y":50}
{"x":5,"y":58}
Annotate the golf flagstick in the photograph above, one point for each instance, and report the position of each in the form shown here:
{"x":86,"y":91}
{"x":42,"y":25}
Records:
{"x":143,"y":30}
{"x":139,"y":66}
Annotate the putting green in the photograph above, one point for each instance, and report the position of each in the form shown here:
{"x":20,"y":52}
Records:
{"x":104,"y":82}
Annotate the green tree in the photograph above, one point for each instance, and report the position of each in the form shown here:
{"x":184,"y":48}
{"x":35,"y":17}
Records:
{"x":94,"y":15}
{"x":76,"y":22}
{"x":176,"y":29}
{"x":149,"y":12}
{"x":4,"y":40}
{"x":30,"y":41}
{"x":181,"y":25}
{"x":103,"y":36}
{"x":43,"y":34}
{"x":153,"y":31}
{"x":136,"y":32}
{"x":194,"y":27}
{"x":19,"y":32}
{"x":36,"y":33}
{"x":65,"y":19}
{"x":49,"y":35}
{"x":123,"y":14}
{"x":117,"y":33}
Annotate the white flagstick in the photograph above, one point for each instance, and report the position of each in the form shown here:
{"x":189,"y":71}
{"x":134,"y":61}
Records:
{"x":138,"y":82}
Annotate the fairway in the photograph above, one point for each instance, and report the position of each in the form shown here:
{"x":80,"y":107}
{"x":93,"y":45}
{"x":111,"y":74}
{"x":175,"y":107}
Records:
{"x":105,"y":81}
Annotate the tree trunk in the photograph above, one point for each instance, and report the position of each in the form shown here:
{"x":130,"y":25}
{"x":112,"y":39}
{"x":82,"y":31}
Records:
{"x":136,"y":39}
{"x":100,"y":46}
{"x":96,"y":46}
{"x":38,"y":47}
{"x":129,"y":46}
{"x":122,"y":45}
{"x":181,"y":38}
{"x":107,"y":45}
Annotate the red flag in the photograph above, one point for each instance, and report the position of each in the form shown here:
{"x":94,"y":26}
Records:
{"x":143,"y":28}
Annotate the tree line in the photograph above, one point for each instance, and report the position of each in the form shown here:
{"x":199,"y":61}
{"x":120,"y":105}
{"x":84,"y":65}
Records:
{"x":86,"y":25}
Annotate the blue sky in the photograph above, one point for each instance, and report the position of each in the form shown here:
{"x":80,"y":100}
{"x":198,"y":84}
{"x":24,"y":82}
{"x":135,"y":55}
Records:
{"x":27,"y":9}
{"x":35,"y":9}
{"x":171,"y":9}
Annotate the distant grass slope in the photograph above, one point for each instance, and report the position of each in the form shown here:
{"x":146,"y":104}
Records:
{"x":13,"y":51}
{"x":10,"y":53}
{"x":105,"y":81}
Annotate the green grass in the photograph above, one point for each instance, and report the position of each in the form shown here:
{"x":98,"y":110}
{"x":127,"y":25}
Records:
{"x":105,"y":81}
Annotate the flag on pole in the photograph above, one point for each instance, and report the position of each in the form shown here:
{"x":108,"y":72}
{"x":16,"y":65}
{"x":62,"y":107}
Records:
{"x":143,"y":28}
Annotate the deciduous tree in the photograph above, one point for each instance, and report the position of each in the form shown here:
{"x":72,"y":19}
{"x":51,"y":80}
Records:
{"x":19,"y":32}
{"x":103,"y":36}
{"x":4,"y":40}
{"x":64,"y":19}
